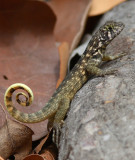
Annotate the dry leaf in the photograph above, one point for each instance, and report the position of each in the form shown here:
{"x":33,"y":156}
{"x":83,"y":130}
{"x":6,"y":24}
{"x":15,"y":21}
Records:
{"x":15,"y":139}
{"x":47,"y":154}
{"x":102,"y":6}
{"x":71,"y":18}
{"x":34,"y":157}
{"x":64,"y":56}
{"x":27,"y":53}
{"x":39,"y":147}
{"x":50,"y":153}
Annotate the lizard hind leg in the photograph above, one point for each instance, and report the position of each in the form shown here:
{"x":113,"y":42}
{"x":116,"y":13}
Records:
{"x":50,"y":123}
{"x":59,"y":119}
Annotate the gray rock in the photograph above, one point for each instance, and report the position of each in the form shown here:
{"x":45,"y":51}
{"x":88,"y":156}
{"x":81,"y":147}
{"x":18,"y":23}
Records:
{"x":101,"y":121}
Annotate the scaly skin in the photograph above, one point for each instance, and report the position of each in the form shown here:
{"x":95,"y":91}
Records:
{"x":88,"y":65}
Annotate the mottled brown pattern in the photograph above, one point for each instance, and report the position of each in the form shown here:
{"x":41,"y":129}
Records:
{"x":88,"y":65}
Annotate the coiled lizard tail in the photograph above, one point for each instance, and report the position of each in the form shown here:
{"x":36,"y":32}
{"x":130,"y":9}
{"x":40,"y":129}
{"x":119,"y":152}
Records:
{"x":9,"y":92}
{"x":38,"y":116}
{"x":8,"y":97}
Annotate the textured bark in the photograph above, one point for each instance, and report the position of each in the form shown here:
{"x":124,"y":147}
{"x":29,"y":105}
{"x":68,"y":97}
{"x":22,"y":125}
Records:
{"x":101,"y":121}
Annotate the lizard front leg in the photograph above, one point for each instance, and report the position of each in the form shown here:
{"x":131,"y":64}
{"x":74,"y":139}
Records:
{"x":112,"y":57}
{"x":58,"y":119}
{"x":99,"y":72}
{"x":94,"y":70}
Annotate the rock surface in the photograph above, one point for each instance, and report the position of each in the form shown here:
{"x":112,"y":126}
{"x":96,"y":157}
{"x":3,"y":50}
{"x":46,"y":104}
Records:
{"x":101,"y":121}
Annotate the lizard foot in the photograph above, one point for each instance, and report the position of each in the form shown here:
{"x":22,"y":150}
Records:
{"x":113,"y":57}
{"x":56,"y":133}
{"x":108,"y":72}
{"x":102,"y":73}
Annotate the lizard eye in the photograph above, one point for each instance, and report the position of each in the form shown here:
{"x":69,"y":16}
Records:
{"x":110,"y":28}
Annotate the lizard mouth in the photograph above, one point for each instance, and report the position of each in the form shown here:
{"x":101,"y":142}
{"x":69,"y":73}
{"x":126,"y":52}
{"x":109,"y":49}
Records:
{"x":119,"y":27}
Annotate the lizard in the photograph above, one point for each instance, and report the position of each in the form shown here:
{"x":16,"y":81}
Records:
{"x":88,"y":65}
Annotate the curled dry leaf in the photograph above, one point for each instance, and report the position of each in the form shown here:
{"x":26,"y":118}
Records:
{"x":28,"y":54}
{"x":102,"y":6}
{"x":16,"y":139}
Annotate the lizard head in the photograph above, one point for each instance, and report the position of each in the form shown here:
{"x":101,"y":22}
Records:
{"x":109,"y":31}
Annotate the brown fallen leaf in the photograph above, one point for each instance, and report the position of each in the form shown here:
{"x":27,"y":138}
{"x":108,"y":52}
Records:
{"x":28,"y":54}
{"x":71,"y":18}
{"x":34,"y":157}
{"x":39,"y":147}
{"x":47,"y":154}
{"x":16,"y":139}
{"x":102,"y":6}
{"x":64,"y":56}
{"x":50,"y":153}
